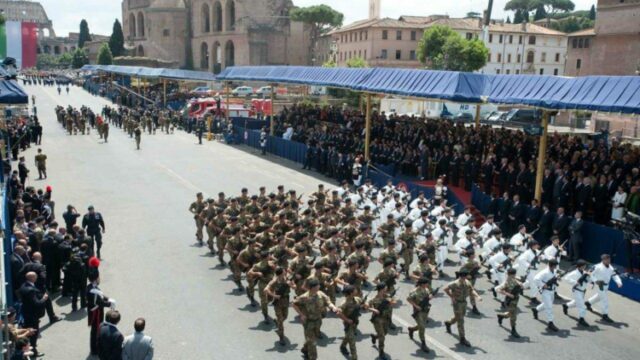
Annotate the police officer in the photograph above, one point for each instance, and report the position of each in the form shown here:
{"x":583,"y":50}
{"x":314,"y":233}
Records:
{"x":93,"y":223}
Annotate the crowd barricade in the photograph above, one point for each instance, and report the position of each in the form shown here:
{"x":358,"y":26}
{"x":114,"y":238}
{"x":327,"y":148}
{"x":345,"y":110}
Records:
{"x":597,"y":240}
{"x":249,"y":123}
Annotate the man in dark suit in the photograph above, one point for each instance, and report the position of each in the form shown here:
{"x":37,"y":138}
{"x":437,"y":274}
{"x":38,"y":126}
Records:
{"x":96,"y":302}
{"x":561,"y":225}
{"x":546,"y":225}
{"x":33,"y":307}
{"x":17,"y":262}
{"x":533,"y":216}
{"x":516,"y":215}
{"x":547,"y":187}
{"x":565,"y":193}
{"x":583,"y":197}
{"x":40,"y":270}
{"x":110,"y":338}
{"x":575,"y":243}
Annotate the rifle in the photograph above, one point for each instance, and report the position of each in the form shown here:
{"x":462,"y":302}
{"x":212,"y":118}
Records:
{"x":581,"y":281}
{"x":551,"y":283}
{"x":516,"y":291}
{"x":357,"y":312}
{"x":384,"y":305}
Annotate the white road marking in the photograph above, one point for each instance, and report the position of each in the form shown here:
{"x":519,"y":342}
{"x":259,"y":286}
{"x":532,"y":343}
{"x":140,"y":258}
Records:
{"x":181,"y":179}
{"x":432,"y":341}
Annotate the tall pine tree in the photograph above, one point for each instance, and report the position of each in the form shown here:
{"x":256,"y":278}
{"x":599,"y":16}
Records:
{"x":517,"y":18}
{"x":540,"y":13}
{"x":592,"y":12}
{"x":84,"y":33}
{"x":508,"y":20}
{"x":116,"y":41}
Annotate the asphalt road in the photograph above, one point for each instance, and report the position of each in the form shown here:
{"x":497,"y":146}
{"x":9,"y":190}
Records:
{"x":153,"y":268}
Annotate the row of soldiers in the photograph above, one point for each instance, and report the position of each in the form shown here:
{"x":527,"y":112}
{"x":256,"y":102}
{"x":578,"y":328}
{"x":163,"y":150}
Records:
{"x":282,"y":245}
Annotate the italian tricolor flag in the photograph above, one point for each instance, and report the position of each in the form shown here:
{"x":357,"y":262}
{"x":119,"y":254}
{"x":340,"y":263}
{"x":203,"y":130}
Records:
{"x":19,"y":40}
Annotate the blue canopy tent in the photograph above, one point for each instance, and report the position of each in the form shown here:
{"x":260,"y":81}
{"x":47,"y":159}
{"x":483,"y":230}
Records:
{"x":12,"y":93}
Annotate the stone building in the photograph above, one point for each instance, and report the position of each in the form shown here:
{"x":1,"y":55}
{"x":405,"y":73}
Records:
{"x":214,"y":34}
{"x":613,"y":46}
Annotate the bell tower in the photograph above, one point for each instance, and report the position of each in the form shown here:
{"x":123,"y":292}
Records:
{"x":374,"y":9}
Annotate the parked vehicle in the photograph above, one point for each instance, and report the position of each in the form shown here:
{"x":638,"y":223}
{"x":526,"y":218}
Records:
{"x":525,"y":116}
{"x":496,"y":116}
{"x":264,"y":91}
{"x":242,"y":91}
{"x":463,"y":117}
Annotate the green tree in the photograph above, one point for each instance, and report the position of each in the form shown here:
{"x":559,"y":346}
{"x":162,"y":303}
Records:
{"x":330,"y":64}
{"x":65,"y":60}
{"x":80,"y":59}
{"x":525,"y":7}
{"x":321,"y":19}
{"x":508,"y":20}
{"x":592,"y":12}
{"x":357,"y":62}
{"x":104,"y":55}
{"x":116,"y":41}
{"x":540,"y":13}
{"x":84,"y":33}
{"x":553,"y":7}
{"x":2,"y":19}
{"x":441,"y":48}
{"x":46,"y":61}
{"x":474,"y":15}
{"x":517,"y":18}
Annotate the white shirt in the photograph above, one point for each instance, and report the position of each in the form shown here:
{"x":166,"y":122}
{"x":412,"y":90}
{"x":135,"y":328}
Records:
{"x":489,"y":245}
{"x":463,"y":219}
{"x":523,"y":261}
{"x":551,"y":252}
{"x":573,"y":277}
{"x":605,"y":274}
{"x":486,"y":228}
{"x":517,"y":240}
{"x":436,"y":236}
{"x":462,"y":245}
{"x":414,"y":203}
{"x":496,"y":261}
{"x":437,"y":211}
{"x":543,"y":277}
{"x":415,"y":213}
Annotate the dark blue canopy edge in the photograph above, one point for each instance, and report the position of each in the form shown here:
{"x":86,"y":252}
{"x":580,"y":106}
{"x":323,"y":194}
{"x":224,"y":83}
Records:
{"x":140,"y":71}
{"x":12,"y":93}
{"x":617,"y":94}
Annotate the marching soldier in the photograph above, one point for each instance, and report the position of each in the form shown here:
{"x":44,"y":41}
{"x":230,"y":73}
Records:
{"x":578,"y":279}
{"x":473,"y":268}
{"x":263,"y":271}
{"x":408,"y":241}
{"x":547,"y":282}
{"x":350,"y":312}
{"x":511,"y":288}
{"x":420,"y":299}
{"x":311,"y":306}
{"x":382,"y":308}
{"x":459,"y":290}
{"x":196,"y":209}
{"x":601,"y":275}
{"x":278,"y":290}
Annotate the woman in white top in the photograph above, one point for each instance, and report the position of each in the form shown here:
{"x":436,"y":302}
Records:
{"x":617,"y":212}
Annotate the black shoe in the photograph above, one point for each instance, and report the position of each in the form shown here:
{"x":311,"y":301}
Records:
{"x":565,"y":309}
{"x":588,"y":305}
{"x":344,"y":351}
{"x":465,"y":342}
{"x":281,"y":342}
{"x":493,"y":291}
{"x":607,"y":319}
{"x":393,"y":327}
{"x":448,"y":326}
{"x":503,"y":305}
{"x":411,"y":333}
{"x":552,"y":327}
{"x":535,"y":313}
{"x":581,"y":322}
{"x":54,"y":319}
{"x":534,"y":302}
{"x":424,"y":347}
{"x":267,"y":319}
{"x":374,"y":339}
{"x":441,"y":273}
{"x":253,"y":303}
{"x":382,"y":356}
{"x":515,"y":334}
{"x":500,"y":318}
{"x":475,"y":310}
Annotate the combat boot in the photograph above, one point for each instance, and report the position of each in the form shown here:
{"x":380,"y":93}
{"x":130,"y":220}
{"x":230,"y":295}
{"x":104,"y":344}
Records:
{"x":535,"y":313}
{"x":588,"y":305}
{"x":552,"y":327}
{"x":281,"y":341}
{"x":514,"y":333}
{"x":424,"y":347}
{"x":343,"y":350}
{"x":581,"y":322}
{"x":493,"y":291}
{"x":475,"y":310}
{"x":374,"y":339}
{"x":267,"y":319}
{"x":382,"y":355}
{"x":565,"y":309}
{"x":500,"y":318}
{"x":448,"y":326}
{"x":607,"y":319}
{"x":465,"y":342}
{"x":411,"y":331}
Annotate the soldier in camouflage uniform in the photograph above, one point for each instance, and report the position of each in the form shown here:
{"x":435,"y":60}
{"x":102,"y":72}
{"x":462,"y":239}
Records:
{"x":278,"y":290}
{"x":196,"y":209}
{"x":300,"y":268}
{"x":263,"y":272}
{"x":311,"y":306}
{"x":221,"y":241}
{"x":511,"y":289}
{"x":234,"y":246}
{"x":472,"y":266}
{"x":350,"y":312}
{"x":424,"y":270}
{"x":388,"y":276}
{"x":382,"y":308}
{"x":420,"y":298}
{"x":387,"y":230}
{"x":245,"y":261}
{"x":459,"y":290}
{"x":352,"y":277}
{"x":408,"y":241}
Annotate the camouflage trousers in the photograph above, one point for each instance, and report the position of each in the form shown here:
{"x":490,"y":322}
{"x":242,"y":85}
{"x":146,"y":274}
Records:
{"x":459,"y":310}
{"x":350,"y":339}
{"x":421,"y":318}
{"x":221,"y":243}
{"x":311,"y":335}
{"x":199,"y":226}
{"x":511,"y":313}
{"x":381,"y":327}
{"x":407,"y":257}
{"x":282,"y":312}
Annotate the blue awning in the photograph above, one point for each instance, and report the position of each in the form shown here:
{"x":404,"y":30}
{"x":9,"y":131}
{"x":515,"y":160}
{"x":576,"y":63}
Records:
{"x":619,"y":94}
{"x":141,"y":71}
{"x":12,"y":93}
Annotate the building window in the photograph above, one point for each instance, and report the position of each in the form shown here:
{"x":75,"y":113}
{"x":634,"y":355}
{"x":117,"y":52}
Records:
{"x":385,"y":34}
{"x":500,"y":39}
{"x":508,"y":72}
{"x":383,"y":54}
{"x":490,"y":38}
{"x":532,"y":40}
{"x":586,"y":43}
{"x":399,"y":35}
{"x":498,"y":71}
{"x":555,"y":72}
{"x":520,"y":39}
{"x":469,"y":36}
{"x":166,"y":32}
{"x":489,"y":58}
{"x":530,"y":57}
{"x":366,"y":35}
{"x":413,"y":35}
{"x":578,"y":63}
{"x":519,"y":59}
{"x":517,"y":71}
{"x":557,"y":57}
{"x":508,"y":58}
{"x":543,"y":57}
{"x":499,"y":57}
{"x":541,"y":71}
{"x":365,"y":53}
{"x":361,"y":35}
{"x":412,"y":55}
{"x":510,"y":39}
{"x":580,"y":43}
{"x":574,"y":43}
{"x":398,"y":54}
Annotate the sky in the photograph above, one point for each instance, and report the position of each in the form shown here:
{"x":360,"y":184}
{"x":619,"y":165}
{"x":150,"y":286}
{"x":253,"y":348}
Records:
{"x":100,"y":14}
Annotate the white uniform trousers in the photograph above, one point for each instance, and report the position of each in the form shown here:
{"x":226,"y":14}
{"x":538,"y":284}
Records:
{"x":578,"y":302}
{"x":603,"y":298}
{"x":547,"y":304}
